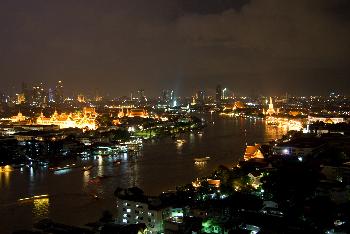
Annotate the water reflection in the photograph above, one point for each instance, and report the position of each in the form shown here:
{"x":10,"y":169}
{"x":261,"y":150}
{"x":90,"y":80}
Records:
{"x":100,"y":168}
{"x":5,"y":179}
{"x":192,"y":138}
{"x":273,"y":132}
{"x":31,"y":173}
{"x":200,"y":165}
{"x":86,"y":177}
{"x":41,"y":208}
{"x":63,"y":172}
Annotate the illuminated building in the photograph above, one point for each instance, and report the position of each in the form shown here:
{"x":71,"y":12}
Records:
{"x":20,"y":98}
{"x":239,"y":105}
{"x":295,"y":113}
{"x":38,"y":95}
{"x":224,"y":91}
{"x":136,"y":208}
{"x":16,"y":118}
{"x":193,"y":102}
{"x":98,"y":98}
{"x":253,"y":151}
{"x":299,"y":147}
{"x":51,"y":95}
{"x":235,"y":106}
{"x":214,"y":183}
{"x":330,"y":120}
{"x":87,"y":119}
{"x":218,"y":94}
{"x":141,"y":96}
{"x":289,"y":124}
{"x":26,"y":92}
{"x":200,"y":97}
{"x":271,"y":110}
{"x":59,"y":92}
{"x":81,"y":98}
{"x":167,"y":96}
{"x":133,"y":113}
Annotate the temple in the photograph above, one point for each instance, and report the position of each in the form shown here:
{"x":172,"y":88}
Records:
{"x":253,"y":151}
{"x":271,"y":110}
{"x":18,"y":118}
{"x":133,"y":113}
{"x":86,"y":120}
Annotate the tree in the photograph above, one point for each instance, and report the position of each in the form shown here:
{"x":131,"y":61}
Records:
{"x":107,"y":217}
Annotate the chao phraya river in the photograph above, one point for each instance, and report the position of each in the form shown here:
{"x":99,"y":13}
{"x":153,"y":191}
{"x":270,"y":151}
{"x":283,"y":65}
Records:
{"x":160,"y":166}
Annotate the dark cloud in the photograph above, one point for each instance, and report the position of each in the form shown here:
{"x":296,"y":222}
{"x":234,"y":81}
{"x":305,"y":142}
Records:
{"x":121,"y":45}
{"x":204,"y":7}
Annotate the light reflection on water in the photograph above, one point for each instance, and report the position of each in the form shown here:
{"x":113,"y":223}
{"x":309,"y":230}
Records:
{"x":5,"y":178}
{"x":86,"y":178}
{"x":41,"y":208}
{"x":63,"y":171}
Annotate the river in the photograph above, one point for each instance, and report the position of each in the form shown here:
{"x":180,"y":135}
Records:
{"x":160,"y":166}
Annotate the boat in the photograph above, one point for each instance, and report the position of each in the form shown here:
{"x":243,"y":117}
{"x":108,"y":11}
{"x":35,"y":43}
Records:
{"x":201,"y":160}
{"x":68,"y":166}
{"x":117,"y":162}
{"x":180,"y":141}
{"x":33,"y":198}
{"x":87,"y":168}
{"x":6,"y":168}
{"x":95,"y":196}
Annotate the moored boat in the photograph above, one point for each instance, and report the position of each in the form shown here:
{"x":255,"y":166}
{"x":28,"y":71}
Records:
{"x":68,"y":166}
{"x":117,"y":162}
{"x":87,"y":168}
{"x":201,"y":160}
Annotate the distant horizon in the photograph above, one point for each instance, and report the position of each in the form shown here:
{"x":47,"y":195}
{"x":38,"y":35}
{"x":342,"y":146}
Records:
{"x":210,"y":91}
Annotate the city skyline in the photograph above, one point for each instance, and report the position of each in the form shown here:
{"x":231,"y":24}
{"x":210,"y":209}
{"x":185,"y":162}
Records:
{"x":116,"y":47}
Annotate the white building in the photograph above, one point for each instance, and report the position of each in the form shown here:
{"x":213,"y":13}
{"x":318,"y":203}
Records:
{"x":134,"y":209}
{"x":331,"y":120}
{"x":299,"y":148}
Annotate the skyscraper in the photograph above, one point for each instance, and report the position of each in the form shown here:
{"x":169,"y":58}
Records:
{"x":141,"y":95}
{"x":218,"y":95}
{"x":200,"y":97}
{"x":38,"y":94}
{"x":51,"y":95}
{"x":59,"y":92}
{"x":167,"y":96}
{"x":26,"y":92}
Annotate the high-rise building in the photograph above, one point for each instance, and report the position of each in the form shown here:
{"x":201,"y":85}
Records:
{"x":20,"y":98}
{"x":26,"y":92}
{"x":141,"y":95}
{"x":81,"y":98}
{"x":38,"y":95}
{"x":200,"y":97}
{"x":218,"y":94}
{"x":167,"y":96}
{"x":224,"y":94}
{"x":59,"y":92}
{"x":51,"y":95}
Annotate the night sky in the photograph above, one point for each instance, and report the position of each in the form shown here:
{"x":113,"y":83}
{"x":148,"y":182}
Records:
{"x":116,"y":46}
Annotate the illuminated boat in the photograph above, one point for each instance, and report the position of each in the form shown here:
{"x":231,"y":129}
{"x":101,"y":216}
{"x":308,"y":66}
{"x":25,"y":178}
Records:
{"x":117,"y":162}
{"x":201,"y":160}
{"x":6,"y":168}
{"x":68,"y":166}
{"x":180,"y":141}
{"x":87,"y":168}
{"x":33,"y":198}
